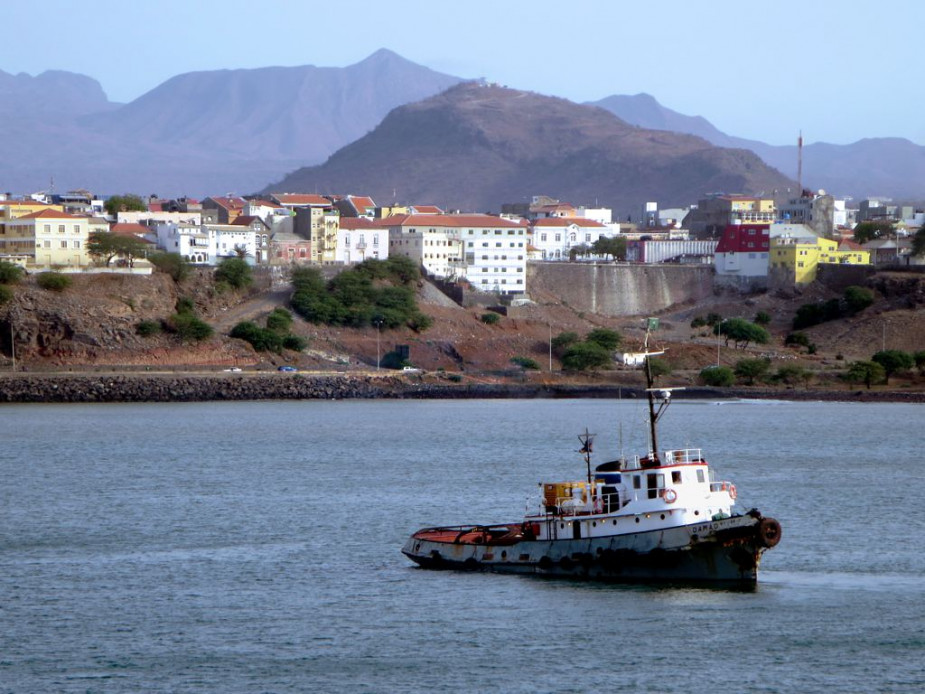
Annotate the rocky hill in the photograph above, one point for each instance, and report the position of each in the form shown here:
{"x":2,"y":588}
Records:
{"x":475,"y":147}
{"x":92,"y":326}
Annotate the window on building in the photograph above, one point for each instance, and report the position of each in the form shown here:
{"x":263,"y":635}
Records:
{"x":558,"y":237}
{"x":60,"y":228}
{"x":542,"y":237}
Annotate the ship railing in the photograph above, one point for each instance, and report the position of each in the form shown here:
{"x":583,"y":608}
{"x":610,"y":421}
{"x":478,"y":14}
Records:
{"x":677,"y":456}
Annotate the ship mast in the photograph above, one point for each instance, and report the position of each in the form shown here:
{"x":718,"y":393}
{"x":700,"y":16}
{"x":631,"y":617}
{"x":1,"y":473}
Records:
{"x":663,"y":394}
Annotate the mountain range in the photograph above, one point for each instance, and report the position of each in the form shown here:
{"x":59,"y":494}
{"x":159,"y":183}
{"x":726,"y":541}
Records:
{"x":873,"y":167}
{"x":239,"y":130}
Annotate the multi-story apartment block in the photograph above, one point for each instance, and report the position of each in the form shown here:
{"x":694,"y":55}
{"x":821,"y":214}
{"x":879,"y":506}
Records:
{"x":713,"y":214}
{"x":490,"y":252}
{"x":46,"y":239}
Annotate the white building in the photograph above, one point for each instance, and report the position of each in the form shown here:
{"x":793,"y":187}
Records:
{"x":207,"y":243}
{"x":490,"y":252}
{"x":554,"y":237}
{"x":359,"y":239}
{"x":152,"y":219}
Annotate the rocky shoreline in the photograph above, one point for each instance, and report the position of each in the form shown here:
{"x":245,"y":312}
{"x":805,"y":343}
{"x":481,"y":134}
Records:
{"x":83,"y":388}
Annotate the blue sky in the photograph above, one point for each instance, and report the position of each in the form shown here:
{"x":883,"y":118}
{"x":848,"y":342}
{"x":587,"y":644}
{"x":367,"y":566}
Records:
{"x":837,"y":71}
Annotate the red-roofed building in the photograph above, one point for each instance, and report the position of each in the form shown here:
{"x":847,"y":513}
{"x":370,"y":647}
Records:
{"x":425,"y":209}
{"x":490,"y":252}
{"x":355,"y":206}
{"x":741,"y":256}
{"x":227,"y":208}
{"x":46,"y":239}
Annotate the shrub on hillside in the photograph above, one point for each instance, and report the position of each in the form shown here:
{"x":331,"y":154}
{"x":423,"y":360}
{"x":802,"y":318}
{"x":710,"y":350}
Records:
{"x":148,"y":328}
{"x":279,"y":321}
{"x":717,"y":376}
{"x":10,"y":273}
{"x":490,"y":318}
{"x":53,"y":281}
{"x":235,"y":272}
{"x":261,"y":339}
{"x":525,"y":363}
{"x":352,"y":298}
{"x":6,"y":294}
{"x":606,"y":338}
{"x":584,"y":356}
{"x":189,"y":327}
{"x":172,"y":264}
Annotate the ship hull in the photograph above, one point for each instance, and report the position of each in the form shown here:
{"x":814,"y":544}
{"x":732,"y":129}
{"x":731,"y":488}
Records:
{"x":722,"y":551}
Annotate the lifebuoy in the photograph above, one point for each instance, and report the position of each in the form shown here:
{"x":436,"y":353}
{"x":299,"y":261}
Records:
{"x":670,"y":496}
{"x":732,"y":491}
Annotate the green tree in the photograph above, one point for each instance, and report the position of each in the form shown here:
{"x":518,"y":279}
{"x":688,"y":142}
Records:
{"x":53,"y":281}
{"x":762,"y":318}
{"x":918,"y":243}
{"x":893,"y":361}
{"x":868,"y":231}
{"x":581,"y":249}
{"x":10,"y":273}
{"x":490,"y":318}
{"x":234,"y":272}
{"x":919,"y":358}
{"x":615,"y":247}
{"x":717,"y":376}
{"x":792,"y":374}
{"x":104,"y":246}
{"x":752,"y":369}
{"x":172,"y":264}
{"x":124,"y":203}
{"x":742,"y":332}
{"x":659,"y":368}
{"x":866,"y":372}
{"x":799,"y":339}
{"x":584,"y":356}
{"x":605,"y":337}
{"x":562,"y":342}
{"x":857,"y":299}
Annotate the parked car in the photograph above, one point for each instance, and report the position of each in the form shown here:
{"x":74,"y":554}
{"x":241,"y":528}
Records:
{"x":287,"y":368}
{"x":411,"y":370}
{"x":233,"y":370}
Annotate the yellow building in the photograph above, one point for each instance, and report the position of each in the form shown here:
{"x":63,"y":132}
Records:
{"x":12,"y":209}
{"x":797,"y":260}
{"x":46,"y":239}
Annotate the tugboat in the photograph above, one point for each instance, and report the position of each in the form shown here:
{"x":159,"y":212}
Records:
{"x":659,"y":517}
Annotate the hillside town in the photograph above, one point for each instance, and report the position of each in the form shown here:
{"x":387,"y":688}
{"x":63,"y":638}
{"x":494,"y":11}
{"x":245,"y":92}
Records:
{"x":752,"y":242}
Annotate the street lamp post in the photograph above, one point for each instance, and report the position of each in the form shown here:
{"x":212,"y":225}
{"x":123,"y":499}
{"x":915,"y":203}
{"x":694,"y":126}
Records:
{"x":550,"y":348}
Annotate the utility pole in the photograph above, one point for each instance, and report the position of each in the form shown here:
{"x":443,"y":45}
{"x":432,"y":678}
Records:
{"x":550,"y":347}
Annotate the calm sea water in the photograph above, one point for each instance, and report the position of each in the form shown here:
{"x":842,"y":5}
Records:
{"x":254,"y":547}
